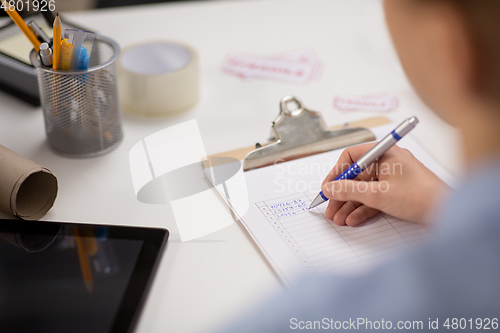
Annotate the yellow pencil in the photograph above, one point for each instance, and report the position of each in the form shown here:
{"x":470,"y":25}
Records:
{"x":56,"y":43}
{"x":89,"y":242}
{"x":65,"y":54}
{"x":84,"y":261}
{"x":20,"y":23}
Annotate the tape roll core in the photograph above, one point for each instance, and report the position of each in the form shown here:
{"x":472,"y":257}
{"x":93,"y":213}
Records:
{"x":158,"y":78}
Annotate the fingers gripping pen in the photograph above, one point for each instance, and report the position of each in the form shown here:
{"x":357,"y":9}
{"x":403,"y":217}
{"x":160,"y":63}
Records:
{"x":371,"y":156}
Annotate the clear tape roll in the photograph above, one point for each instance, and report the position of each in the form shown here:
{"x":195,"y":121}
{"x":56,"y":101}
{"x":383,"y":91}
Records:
{"x":158,"y":78}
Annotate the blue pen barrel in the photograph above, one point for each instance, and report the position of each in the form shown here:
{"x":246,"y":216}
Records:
{"x":352,"y":172}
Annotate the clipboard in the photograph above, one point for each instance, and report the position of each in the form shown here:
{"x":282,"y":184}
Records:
{"x":298,"y":133}
{"x":271,"y":202}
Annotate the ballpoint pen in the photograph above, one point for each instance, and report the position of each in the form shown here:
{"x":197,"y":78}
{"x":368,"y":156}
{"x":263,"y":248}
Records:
{"x":371,"y":156}
{"x":35,"y":28}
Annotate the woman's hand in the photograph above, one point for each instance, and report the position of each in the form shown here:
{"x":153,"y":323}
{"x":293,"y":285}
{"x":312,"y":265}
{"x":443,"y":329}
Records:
{"x":397,"y":184}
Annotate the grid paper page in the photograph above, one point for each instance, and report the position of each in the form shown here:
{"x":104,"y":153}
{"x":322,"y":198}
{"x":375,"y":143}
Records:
{"x":322,"y":246}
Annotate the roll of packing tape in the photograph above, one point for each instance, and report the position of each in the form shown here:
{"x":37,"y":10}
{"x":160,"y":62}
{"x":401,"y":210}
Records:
{"x":158,"y":78}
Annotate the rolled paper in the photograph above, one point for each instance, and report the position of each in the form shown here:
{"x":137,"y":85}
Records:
{"x":27,"y":190}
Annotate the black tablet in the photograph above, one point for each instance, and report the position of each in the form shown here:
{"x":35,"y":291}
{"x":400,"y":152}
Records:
{"x":67,"y":277}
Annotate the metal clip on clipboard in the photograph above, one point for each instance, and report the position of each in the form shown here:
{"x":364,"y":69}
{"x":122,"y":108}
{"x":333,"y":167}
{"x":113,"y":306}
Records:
{"x":300,"y":133}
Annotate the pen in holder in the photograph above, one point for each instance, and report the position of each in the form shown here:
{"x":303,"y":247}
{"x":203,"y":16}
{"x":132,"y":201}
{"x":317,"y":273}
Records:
{"x":81,"y":108}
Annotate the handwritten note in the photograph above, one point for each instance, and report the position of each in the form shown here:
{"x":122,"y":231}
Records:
{"x":322,"y":246}
{"x":289,"y":208}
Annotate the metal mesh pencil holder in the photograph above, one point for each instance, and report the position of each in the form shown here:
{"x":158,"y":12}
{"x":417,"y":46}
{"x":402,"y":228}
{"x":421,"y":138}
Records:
{"x":81,"y":108}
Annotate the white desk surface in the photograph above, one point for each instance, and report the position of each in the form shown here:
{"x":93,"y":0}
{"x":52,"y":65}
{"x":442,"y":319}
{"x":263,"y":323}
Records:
{"x":206,"y":281}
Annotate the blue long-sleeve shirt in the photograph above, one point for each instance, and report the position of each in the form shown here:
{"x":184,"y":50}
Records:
{"x":456,"y":275}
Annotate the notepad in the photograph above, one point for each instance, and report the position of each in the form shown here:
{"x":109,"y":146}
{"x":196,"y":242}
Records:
{"x":297,"y":241}
{"x":19,"y":47}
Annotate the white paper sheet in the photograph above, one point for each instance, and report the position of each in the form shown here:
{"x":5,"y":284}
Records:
{"x":296,"y":241}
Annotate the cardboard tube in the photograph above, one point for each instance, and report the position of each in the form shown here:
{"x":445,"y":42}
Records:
{"x":27,"y":190}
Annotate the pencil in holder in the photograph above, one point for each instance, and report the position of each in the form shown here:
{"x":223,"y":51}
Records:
{"x":81,"y":108}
